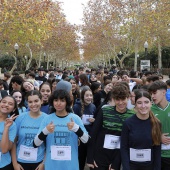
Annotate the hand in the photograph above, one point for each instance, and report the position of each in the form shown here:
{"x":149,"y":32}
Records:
{"x":9,"y":121}
{"x":110,"y":167}
{"x":165,"y":138}
{"x":50,"y":127}
{"x":92,"y":165}
{"x":91,"y":120}
{"x":17,"y":166}
{"x":70,"y":124}
{"x":40,"y":166}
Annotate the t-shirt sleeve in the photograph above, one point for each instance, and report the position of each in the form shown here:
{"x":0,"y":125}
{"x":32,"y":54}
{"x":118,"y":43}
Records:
{"x":79,"y":122}
{"x":12,"y":132}
{"x":43,"y":124}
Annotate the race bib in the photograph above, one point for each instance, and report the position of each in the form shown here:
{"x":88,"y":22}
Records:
{"x":112,"y":142}
{"x":85,"y":119}
{"x":28,"y":153}
{"x":165,"y":147}
{"x":140,"y":155}
{"x":61,"y":152}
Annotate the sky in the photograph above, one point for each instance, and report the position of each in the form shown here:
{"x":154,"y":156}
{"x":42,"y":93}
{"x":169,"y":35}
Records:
{"x":73,"y":10}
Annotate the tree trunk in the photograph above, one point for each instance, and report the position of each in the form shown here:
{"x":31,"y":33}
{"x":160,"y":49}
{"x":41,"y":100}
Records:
{"x":39,"y":62}
{"x":136,"y":55}
{"x":159,"y":55}
{"x":30,"y":59}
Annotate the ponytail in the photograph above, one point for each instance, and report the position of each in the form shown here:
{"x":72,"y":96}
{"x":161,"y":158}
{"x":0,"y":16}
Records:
{"x":156,"y":129}
{"x":82,"y":108}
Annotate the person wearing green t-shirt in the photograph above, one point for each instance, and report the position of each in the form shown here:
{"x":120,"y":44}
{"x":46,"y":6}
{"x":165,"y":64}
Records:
{"x":161,"y":109}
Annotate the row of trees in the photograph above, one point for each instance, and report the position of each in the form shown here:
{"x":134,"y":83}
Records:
{"x":111,"y":26}
{"x":38,"y":26}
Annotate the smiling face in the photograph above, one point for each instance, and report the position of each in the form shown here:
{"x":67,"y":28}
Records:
{"x":73,"y":83}
{"x":45,"y":92}
{"x":7,"y":105}
{"x":88,"y":97}
{"x":34,"y":103}
{"x":121,"y":104}
{"x":142,"y":107}
{"x":108,"y":87}
{"x":18,"y":97}
{"x":28,"y":86}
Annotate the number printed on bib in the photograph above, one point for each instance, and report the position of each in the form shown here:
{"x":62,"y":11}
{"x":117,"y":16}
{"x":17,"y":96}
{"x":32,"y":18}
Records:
{"x":140,"y":155}
{"x":112,"y":142}
{"x":28,"y":153}
{"x":60,"y":152}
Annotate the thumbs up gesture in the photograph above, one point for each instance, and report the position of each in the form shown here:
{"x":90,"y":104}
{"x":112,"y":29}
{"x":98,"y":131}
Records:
{"x":70,"y":124}
{"x":50,"y":127}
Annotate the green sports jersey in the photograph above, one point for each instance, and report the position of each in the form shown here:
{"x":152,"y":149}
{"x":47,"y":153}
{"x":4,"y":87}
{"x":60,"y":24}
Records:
{"x":113,"y":120}
{"x":164,"y":116}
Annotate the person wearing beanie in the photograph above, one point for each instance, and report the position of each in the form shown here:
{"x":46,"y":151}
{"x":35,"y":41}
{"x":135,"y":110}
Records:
{"x":64,"y":85}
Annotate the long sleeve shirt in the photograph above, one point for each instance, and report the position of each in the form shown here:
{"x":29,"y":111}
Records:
{"x":137,"y":134}
{"x":107,"y":124}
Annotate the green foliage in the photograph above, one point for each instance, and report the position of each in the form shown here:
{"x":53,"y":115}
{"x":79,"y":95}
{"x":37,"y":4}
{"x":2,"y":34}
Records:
{"x":6,"y":61}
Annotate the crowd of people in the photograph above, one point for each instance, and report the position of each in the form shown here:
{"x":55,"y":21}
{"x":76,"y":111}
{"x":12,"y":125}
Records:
{"x":105,"y":119}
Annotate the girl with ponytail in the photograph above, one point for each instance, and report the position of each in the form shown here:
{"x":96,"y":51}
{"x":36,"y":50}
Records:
{"x":141,"y":137}
{"x":85,"y":109}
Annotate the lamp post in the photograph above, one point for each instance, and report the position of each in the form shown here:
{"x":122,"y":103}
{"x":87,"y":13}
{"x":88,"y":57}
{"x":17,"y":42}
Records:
{"x":146,"y":49}
{"x":16,"y":47}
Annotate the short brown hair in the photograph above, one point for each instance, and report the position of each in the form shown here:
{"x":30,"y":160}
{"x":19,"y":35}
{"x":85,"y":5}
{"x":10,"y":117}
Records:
{"x":120,"y":91}
{"x":7,"y":75}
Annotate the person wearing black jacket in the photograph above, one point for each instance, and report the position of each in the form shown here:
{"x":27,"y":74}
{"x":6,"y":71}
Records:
{"x":85,"y":109}
{"x":101,"y":95}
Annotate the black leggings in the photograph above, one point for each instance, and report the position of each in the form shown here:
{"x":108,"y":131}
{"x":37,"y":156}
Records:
{"x":8,"y":167}
{"x":29,"y":166}
{"x":82,"y":152}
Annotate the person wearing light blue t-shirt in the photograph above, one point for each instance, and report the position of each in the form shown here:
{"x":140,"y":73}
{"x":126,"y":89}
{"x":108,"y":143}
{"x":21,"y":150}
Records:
{"x":24,"y":155}
{"x":8,"y":106}
{"x":61,"y":131}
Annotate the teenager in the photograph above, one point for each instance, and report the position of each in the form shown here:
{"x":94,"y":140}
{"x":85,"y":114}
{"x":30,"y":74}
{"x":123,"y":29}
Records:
{"x":85,"y":109}
{"x":8,"y":106}
{"x":19,"y":99}
{"x":45,"y":90}
{"x":61,"y":131}
{"x":161,"y":109}
{"x":24,"y":156}
{"x":141,"y":137}
{"x":104,"y":144}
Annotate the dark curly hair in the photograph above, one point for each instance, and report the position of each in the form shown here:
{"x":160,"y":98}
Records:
{"x":120,"y":91}
{"x":60,"y":94}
